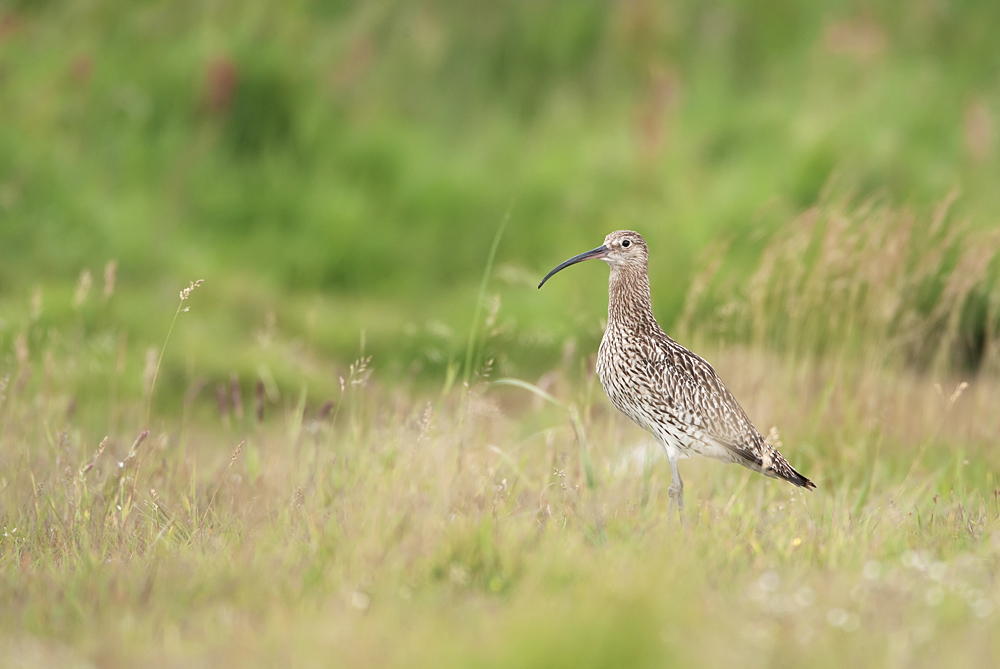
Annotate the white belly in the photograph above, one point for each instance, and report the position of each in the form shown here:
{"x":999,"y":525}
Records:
{"x":678,"y":437}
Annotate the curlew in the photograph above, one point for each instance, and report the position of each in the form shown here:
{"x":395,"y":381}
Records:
{"x":663,"y":387}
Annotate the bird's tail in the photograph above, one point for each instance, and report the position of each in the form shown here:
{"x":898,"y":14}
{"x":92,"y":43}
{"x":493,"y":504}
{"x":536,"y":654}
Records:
{"x":795,"y":478}
{"x":773,"y":464}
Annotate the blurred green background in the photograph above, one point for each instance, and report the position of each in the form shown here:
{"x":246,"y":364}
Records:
{"x":336,"y":167}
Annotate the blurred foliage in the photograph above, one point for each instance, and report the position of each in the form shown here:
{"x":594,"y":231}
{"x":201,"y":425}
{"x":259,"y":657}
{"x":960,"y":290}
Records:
{"x":344,"y":165}
{"x":862,"y":281}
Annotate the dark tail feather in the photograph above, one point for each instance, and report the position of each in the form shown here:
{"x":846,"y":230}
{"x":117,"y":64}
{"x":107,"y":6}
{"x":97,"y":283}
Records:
{"x":796,"y":478}
{"x":782,"y":470}
{"x":777,"y":466}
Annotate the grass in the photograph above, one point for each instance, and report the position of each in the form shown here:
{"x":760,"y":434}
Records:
{"x":516,"y":523}
{"x":359,"y":539}
{"x":351,"y":159}
{"x":817,"y":181}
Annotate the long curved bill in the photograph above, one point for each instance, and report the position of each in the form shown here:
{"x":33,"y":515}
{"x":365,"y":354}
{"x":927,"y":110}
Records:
{"x":599,"y":252}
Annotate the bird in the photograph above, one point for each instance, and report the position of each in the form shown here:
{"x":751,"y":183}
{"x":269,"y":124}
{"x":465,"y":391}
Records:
{"x":664,"y":388}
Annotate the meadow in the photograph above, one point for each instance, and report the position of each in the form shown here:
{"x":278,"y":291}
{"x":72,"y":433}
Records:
{"x":512,"y":522}
{"x":336,"y":166}
{"x":276,"y":385}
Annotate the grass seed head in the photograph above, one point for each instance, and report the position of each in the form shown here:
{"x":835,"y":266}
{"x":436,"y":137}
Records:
{"x":186,"y":293}
{"x":83,"y":285}
{"x":959,"y":389}
{"x":137,"y":443}
{"x":110,"y":274}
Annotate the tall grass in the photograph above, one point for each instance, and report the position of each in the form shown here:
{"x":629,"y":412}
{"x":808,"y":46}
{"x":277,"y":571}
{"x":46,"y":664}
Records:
{"x":261,"y":158}
{"x":858,"y":278}
{"x":355,"y":536}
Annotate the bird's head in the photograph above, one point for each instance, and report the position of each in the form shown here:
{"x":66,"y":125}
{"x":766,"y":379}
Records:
{"x":621,"y":249}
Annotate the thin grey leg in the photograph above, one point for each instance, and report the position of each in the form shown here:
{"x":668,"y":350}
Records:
{"x":676,"y":490}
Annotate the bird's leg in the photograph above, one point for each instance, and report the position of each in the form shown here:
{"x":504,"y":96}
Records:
{"x":676,"y":490}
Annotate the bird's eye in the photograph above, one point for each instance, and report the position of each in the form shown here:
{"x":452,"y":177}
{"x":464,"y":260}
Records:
{"x":626,"y":244}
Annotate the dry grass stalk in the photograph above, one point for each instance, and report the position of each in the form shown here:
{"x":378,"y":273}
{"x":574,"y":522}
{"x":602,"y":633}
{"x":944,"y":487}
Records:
{"x":83,"y":285}
{"x":110,"y":276}
{"x":864,"y":279}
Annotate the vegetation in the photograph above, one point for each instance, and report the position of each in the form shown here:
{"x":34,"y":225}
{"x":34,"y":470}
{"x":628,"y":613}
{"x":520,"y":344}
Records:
{"x":366,"y":439}
{"x":506,"y":523}
{"x":342,"y":166}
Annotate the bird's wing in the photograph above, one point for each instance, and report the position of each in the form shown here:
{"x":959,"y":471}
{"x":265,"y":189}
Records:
{"x":713,"y":416}
{"x":697,"y":396}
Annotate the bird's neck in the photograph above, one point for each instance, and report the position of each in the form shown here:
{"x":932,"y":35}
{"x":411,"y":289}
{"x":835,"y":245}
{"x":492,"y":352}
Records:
{"x":629,"y":303}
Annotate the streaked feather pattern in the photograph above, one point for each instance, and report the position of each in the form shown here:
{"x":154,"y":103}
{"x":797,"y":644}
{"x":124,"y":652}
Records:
{"x":665,"y":388}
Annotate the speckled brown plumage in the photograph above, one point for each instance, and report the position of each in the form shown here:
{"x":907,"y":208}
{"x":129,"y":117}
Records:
{"x":662,"y":386}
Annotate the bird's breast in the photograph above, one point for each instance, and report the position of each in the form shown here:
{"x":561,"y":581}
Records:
{"x":626,"y":379}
